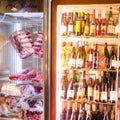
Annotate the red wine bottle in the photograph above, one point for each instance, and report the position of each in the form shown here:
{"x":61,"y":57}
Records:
{"x":69,"y":111}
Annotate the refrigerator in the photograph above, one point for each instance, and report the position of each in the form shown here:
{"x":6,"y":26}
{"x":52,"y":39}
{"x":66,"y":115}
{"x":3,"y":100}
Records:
{"x":71,"y":78}
{"x":24,"y":59}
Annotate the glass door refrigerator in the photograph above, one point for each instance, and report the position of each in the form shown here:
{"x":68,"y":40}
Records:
{"x":24,"y":59}
{"x":85,"y":60}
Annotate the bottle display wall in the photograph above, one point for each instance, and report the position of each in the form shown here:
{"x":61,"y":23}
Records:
{"x":89,"y":64}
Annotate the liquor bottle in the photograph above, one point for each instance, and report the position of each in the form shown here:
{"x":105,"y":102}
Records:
{"x":70,"y":23}
{"x":90,"y":89}
{"x":89,"y":113}
{"x":81,"y":115}
{"x":63,"y":87}
{"x":78,"y":24}
{"x":87,"y":25}
{"x":106,"y":117}
{"x":69,"y":111}
{"x":97,"y":89}
{"x":81,"y":90}
{"x":103,"y":23}
{"x":74,"y":114}
{"x":106,"y":53}
{"x":111,"y":24}
{"x":80,"y":58}
{"x":72,"y":59}
{"x":93,"y":25}
{"x":82,"y":27}
{"x":95,"y":58}
{"x":104,"y":95}
{"x":90,"y":56}
{"x":113,"y":58}
{"x":71,"y":89}
{"x":63,"y":54}
{"x":98,"y":23}
{"x":113,"y":90}
{"x":64,"y":24}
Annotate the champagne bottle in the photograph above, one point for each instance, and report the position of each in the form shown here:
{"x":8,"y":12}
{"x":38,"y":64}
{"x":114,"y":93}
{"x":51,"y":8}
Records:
{"x":80,"y":58}
{"x":95,"y":58}
{"x":97,"y":89}
{"x":72,"y":59}
{"x":90,"y":91}
{"x":69,"y":111}
{"x":70,"y":23}
{"x":103,"y":23}
{"x":87,"y":25}
{"x":104,"y":94}
{"x":111,"y":24}
{"x":106,"y":53}
{"x":113,"y":58}
{"x":74,"y":114}
{"x":63,"y":87}
{"x":93,"y":25}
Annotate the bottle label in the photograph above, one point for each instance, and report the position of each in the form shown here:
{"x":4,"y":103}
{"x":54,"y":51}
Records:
{"x":64,"y":30}
{"x":113,"y":95}
{"x":62,"y":93}
{"x":70,"y":94}
{"x":103,"y":28}
{"x":96,"y":95}
{"x":79,"y":63}
{"x":81,"y":92}
{"x":77,"y":26}
{"x":90,"y":91}
{"x":90,"y":58}
{"x":70,"y":29}
{"x":86,"y":31}
{"x":72,"y":62}
{"x":104,"y":96}
{"x":92,"y":29}
{"x":114,"y":63}
{"x":111,"y":29}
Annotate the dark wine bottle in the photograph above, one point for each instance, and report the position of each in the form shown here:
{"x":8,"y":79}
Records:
{"x":94,"y":111}
{"x":100,"y":113}
{"x":69,"y":111}
{"x":90,"y":91}
{"x":97,"y":89}
{"x":104,"y":95}
{"x":106,"y":53}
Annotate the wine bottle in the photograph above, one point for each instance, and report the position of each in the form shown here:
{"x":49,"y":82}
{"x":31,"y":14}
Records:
{"x":81,"y":91}
{"x":97,"y":89}
{"x":90,"y":91}
{"x":112,"y":115}
{"x":94,"y":111}
{"x":70,"y":23}
{"x":81,"y":115}
{"x":113,"y":92}
{"x":87,"y":25}
{"x":103,"y":23}
{"x":63,"y":87}
{"x":74,"y":114}
{"x":75,"y":16}
{"x":64,"y":24}
{"x":82,"y":27}
{"x":118,"y":86}
{"x":100,"y":114}
{"x":106,"y":53}
{"x":72,"y":59}
{"x":83,"y":53}
{"x":78,"y":24}
{"x":111,"y":24}
{"x":105,"y":114}
{"x":98,"y":23}
{"x":113,"y":58}
{"x":95,"y":58}
{"x":90,"y":56}
{"x":93,"y":25}
{"x":89,"y":113}
{"x":63,"y":114}
{"x":69,"y":111}
{"x":80,"y":58}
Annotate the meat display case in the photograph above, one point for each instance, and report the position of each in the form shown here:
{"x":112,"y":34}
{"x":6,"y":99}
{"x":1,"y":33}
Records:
{"x":24,"y":60}
{"x":63,"y":73}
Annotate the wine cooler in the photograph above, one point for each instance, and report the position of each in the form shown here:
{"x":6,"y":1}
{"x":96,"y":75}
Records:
{"x":86,"y":61}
